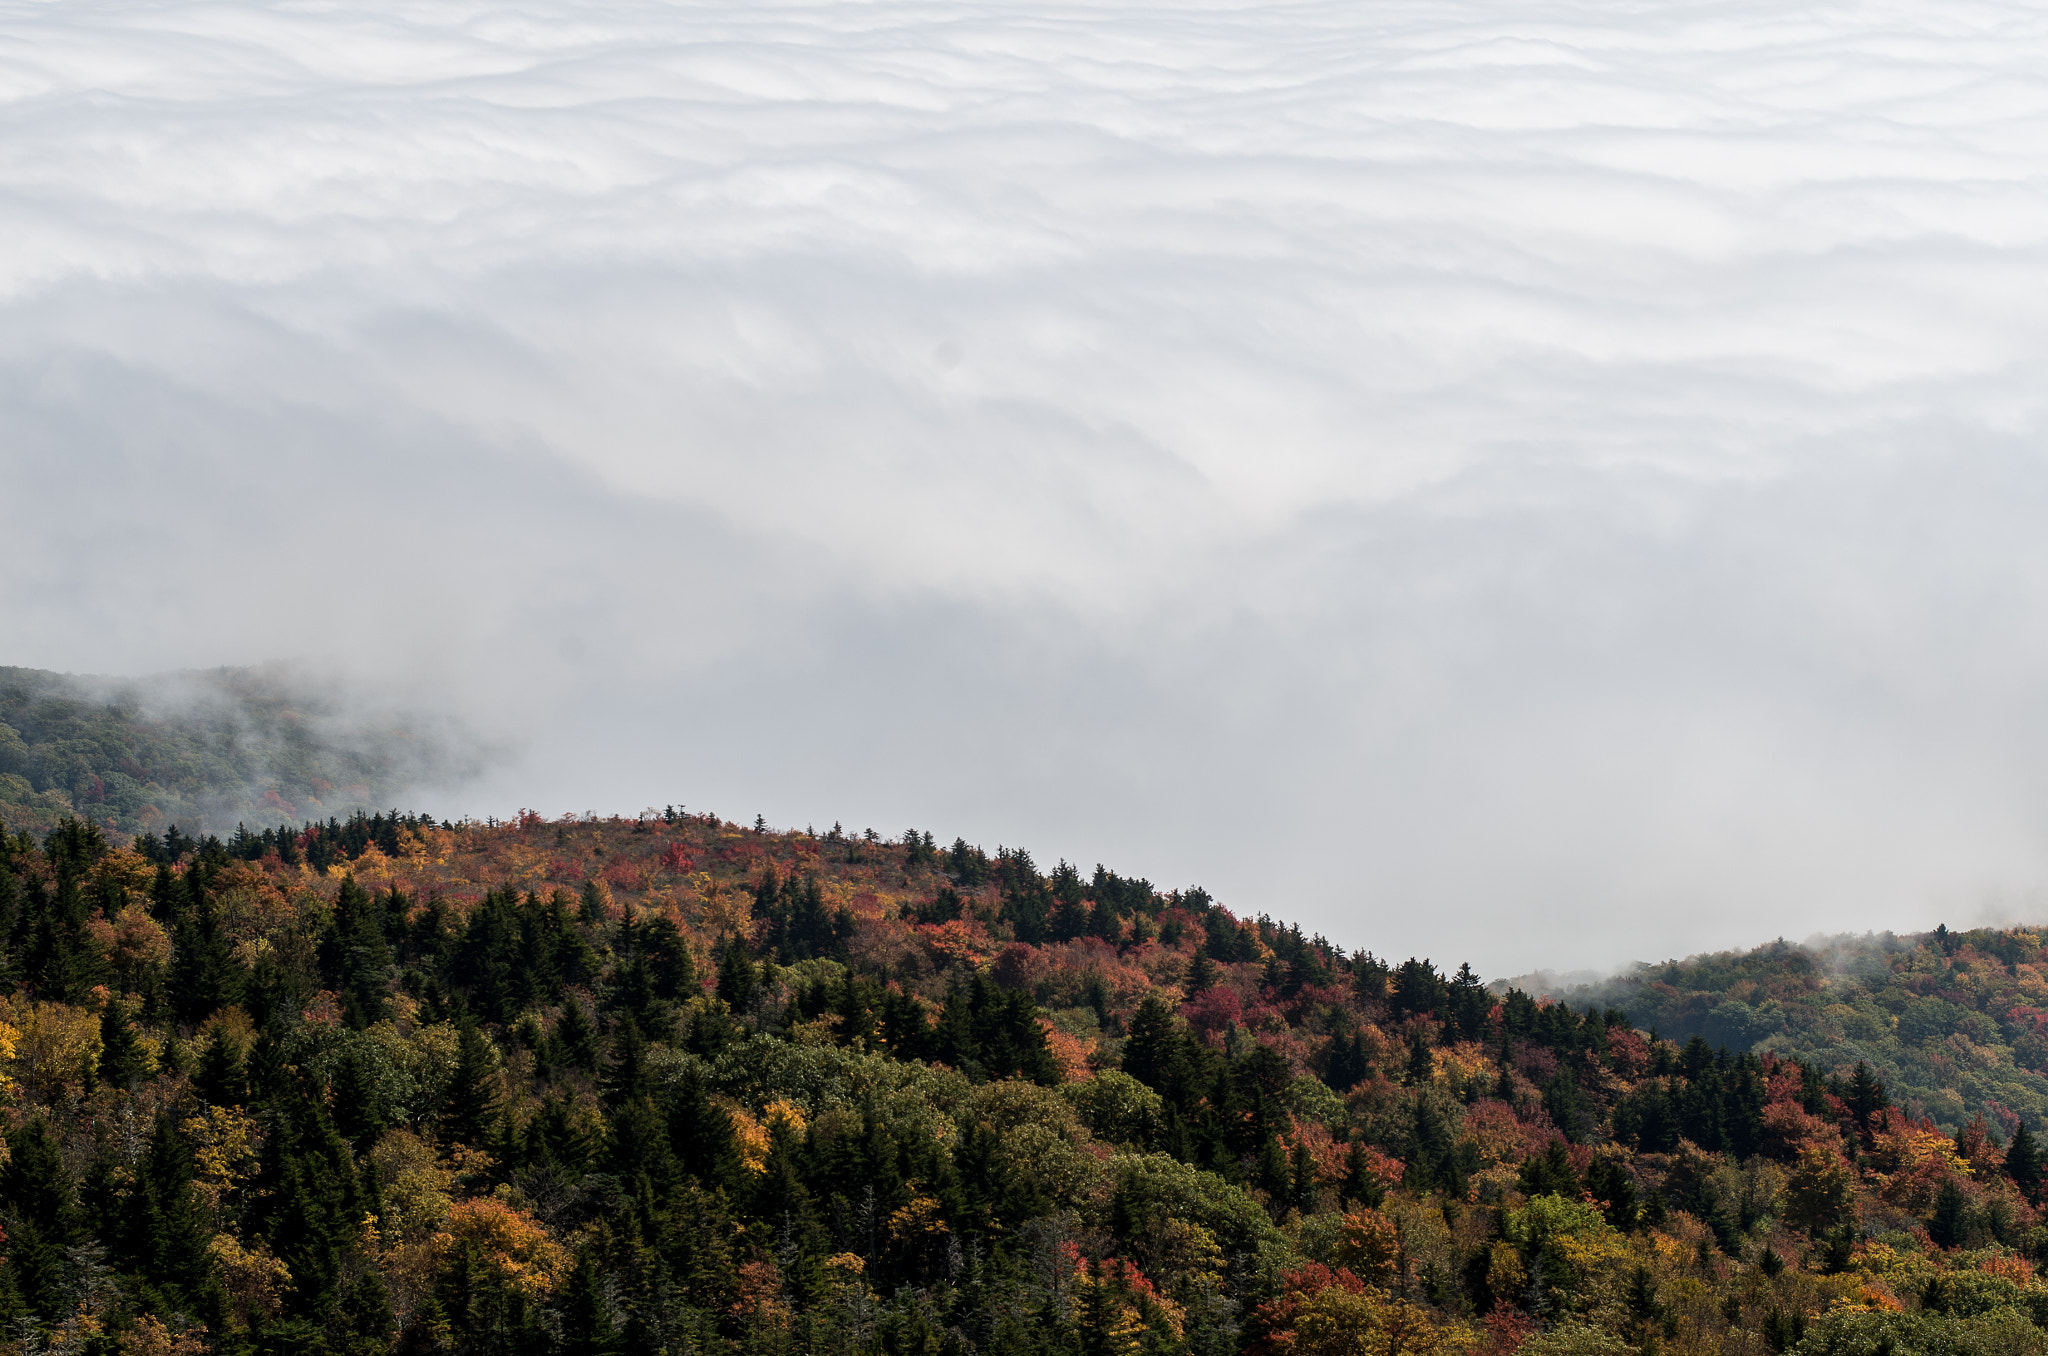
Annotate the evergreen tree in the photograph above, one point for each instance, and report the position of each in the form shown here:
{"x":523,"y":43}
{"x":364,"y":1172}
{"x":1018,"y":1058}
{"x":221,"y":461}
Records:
{"x":358,"y":1101}
{"x":163,"y":1223}
{"x":2024,"y":1162}
{"x":587,"y":1326}
{"x":1949,"y":1223}
{"x":626,"y":1078}
{"x":1361,"y":1184}
{"x":122,"y":1062}
{"x":223,"y":1076}
{"x":575,"y":1038}
{"x":471,"y":1106}
{"x":738,"y":979}
{"x":1155,"y":1051}
{"x":1567,"y":1106}
{"x":1865,"y":1098}
{"x":44,"y":1220}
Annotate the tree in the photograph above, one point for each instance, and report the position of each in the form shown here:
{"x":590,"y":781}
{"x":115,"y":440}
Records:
{"x":626,"y":1078}
{"x":358,"y":1101}
{"x":1152,"y":1048}
{"x":223,"y":1075}
{"x":1819,"y":1190}
{"x":308,"y":1204}
{"x":37,"y":1191}
{"x":1865,"y":1098}
{"x":1567,"y":1106}
{"x":1551,"y":1173}
{"x":2024,"y":1162}
{"x":576,"y":1038}
{"x":1949,"y":1223}
{"x":738,"y":980}
{"x":122,"y":1062}
{"x":472,"y":1101}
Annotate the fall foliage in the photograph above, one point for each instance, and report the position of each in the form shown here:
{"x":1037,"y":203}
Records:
{"x":669,"y":1083}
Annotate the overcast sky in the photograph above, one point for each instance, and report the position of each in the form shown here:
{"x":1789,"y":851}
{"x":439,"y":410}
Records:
{"x":1542,"y":483}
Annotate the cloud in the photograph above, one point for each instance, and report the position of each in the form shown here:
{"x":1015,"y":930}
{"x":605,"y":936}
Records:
{"x":1544,"y":483}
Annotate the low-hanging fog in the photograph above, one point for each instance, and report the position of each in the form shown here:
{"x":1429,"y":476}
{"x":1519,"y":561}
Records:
{"x":1535,"y":482}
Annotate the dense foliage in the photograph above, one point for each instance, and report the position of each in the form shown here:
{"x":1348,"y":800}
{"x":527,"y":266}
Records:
{"x":136,"y":756}
{"x":1955,"y":1023}
{"x":673,"y":1084}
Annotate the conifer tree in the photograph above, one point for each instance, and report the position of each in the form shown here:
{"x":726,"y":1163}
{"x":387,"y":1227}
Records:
{"x":471,"y":1106}
{"x":626,"y":1077}
{"x":738,"y":979}
{"x":2023,"y":1163}
{"x":1360,"y":1183}
{"x":1153,"y":1048}
{"x":575,"y":1038}
{"x":37,"y":1192}
{"x":358,"y":1101}
{"x":1301,"y":1173}
{"x":163,"y":1223}
{"x":1865,"y":1098}
{"x":223,"y":1076}
{"x":122,"y":1061}
{"x":587,"y":1327}
{"x":1950,"y":1220}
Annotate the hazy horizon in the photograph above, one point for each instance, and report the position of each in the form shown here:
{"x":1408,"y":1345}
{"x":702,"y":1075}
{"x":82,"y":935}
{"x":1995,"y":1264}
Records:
{"x":1545,"y":485}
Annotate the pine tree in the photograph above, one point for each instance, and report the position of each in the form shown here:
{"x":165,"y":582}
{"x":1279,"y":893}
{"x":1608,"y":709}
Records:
{"x":358,"y":1102}
{"x":356,"y":957}
{"x":2024,"y":1162}
{"x":575,"y":1038}
{"x":121,"y":1058}
{"x":166,"y":1225}
{"x":1273,"y":1176}
{"x":587,"y":1328}
{"x":626,"y":1078}
{"x":1301,"y":1172}
{"x":472,"y":1102}
{"x":223,"y":1076}
{"x":1361,"y":1184}
{"x":1567,"y":1106}
{"x":701,"y":1132}
{"x":738,"y":979}
{"x":1421,"y":1062}
{"x":37,"y":1192}
{"x":1153,"y":1048}
{"x":1865,"y":1098}
{"x":1949,"y":1223}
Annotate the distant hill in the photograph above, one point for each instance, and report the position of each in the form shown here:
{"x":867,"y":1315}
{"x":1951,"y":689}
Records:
{"x":205,"y":750}
{"x":1956,"y":1023}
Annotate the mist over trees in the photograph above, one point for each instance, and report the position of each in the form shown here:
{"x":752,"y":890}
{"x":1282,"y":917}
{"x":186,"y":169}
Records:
{"x":206,"y":749}
{"x":1956,"y":1023}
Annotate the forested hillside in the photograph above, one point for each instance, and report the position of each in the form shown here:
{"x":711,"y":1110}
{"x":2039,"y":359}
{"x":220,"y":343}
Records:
{"x":675,"y":1084}
{"x":1956,"y":1023}
{"x":205,"y":748}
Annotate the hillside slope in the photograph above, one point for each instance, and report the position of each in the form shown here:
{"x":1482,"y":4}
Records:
{"x":610,"y":1086}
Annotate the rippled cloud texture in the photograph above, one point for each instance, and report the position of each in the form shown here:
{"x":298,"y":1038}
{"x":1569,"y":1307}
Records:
{"x":1539,"y":482}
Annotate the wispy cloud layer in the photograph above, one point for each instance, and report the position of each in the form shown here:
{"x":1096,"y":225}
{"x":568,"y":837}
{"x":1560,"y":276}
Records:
{"x":1536,"y":481}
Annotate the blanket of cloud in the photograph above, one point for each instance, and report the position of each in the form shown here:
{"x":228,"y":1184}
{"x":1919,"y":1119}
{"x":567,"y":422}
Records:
{"x":1535,"y":481}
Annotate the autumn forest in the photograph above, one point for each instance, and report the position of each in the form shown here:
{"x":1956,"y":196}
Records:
{"x":676,"y":1083}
